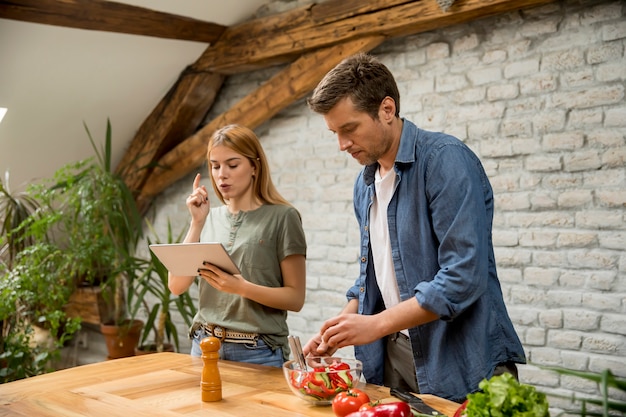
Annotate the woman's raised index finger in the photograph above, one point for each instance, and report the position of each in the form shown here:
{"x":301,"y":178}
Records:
{"x":196,"y":182}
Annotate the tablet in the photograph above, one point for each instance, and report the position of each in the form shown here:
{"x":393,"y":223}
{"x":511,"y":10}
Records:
{"x":184,"y":259}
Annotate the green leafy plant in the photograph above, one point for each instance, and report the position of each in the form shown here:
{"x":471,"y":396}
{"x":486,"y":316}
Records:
{"x":30,"y":301}
{"x":78,"y":228}
{"x":95,"y":222}
{"x":19,"y":359}
{"x":151,"y":292}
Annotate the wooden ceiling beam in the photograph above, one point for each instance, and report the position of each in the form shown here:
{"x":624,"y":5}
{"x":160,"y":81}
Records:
{"x":177,"y":116}
{"x":283,"y":37}
{"x":328,"y":30}
{"x":111,"y":16}
{"x":290,"y":85}
{"x":305,"y":17}
{"x":314,"y":38}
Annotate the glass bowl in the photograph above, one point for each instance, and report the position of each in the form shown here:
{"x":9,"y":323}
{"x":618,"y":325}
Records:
{"x":324,"y":378}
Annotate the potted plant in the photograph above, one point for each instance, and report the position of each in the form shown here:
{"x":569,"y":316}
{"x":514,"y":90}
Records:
{"x":152,"y":294}
{"x":31,"y":304}
{"x":96,"y":226}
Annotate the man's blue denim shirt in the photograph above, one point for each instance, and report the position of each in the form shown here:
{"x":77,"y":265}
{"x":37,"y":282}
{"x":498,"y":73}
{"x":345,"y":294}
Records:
{"x":440,"y":222}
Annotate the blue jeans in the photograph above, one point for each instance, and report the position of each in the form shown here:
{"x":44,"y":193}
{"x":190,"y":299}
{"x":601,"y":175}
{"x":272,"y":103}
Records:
{"x":259,"y":353}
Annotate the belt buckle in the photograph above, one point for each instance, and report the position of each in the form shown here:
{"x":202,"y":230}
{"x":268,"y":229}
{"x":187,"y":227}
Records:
{"x":212,"y":328}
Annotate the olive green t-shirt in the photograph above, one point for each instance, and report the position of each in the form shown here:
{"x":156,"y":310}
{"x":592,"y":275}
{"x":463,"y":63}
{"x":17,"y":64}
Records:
{"x":257,"y":241}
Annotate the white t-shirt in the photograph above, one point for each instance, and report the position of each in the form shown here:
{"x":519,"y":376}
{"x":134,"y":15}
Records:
{"x":379,"y":232}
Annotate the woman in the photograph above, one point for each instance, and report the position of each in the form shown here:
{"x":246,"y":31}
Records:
{"x":264,"y":236}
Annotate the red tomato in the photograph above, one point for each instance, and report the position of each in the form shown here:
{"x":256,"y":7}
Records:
{"x":349,"y":401}
{"x":369,"y":406}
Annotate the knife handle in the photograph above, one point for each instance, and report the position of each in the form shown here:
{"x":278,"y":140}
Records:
{"x":403,"y":395}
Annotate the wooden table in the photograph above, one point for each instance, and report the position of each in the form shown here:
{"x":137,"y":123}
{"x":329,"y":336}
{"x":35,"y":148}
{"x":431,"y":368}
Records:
{"x":165,"y":384}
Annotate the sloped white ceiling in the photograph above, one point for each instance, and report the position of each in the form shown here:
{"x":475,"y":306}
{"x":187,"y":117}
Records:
{"x":52,"y":79}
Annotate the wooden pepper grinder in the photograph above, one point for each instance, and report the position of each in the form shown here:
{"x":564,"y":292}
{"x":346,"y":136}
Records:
{"x":210,"y":382}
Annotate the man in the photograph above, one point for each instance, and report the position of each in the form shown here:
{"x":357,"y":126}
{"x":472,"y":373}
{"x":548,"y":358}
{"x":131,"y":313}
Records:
{"x":431,"y":317}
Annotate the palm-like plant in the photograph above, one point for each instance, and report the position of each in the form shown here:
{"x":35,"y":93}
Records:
{"x":606,"y":381}
{"x":150,"y":292}
{"x":16,"y":208}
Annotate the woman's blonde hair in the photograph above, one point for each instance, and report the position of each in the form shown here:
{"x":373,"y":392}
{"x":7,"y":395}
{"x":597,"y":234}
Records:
{"x":243,"y":141}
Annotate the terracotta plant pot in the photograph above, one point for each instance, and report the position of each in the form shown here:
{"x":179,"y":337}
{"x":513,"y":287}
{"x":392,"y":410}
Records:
{"x":121,"y":340}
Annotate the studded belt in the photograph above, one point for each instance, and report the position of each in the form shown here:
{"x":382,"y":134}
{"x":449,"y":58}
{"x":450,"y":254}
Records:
{"x":223,"y":334}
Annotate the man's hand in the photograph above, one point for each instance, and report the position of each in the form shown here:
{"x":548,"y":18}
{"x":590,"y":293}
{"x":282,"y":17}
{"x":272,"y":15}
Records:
{"x":349,"y":330}
{"x":315,"y":347}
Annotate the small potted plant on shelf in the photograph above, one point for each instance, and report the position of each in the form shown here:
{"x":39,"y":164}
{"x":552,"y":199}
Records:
{"x":151,"y":293}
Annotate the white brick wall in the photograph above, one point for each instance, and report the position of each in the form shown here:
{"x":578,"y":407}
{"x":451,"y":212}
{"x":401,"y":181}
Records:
{"x":540,"y":96}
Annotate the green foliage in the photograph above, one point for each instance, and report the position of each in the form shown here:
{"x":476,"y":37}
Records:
{"x":606,"y":381}
{"x":504,"y":396}
{"x":154,"y":282}
{"x":95,"y":223}
{"x":28,"y":299}
{"x":21,"y":357}
{"x":15,"y":209}
{"x":19,"y":360}
{"x":92,"y":213}
{"x":80,"y":226}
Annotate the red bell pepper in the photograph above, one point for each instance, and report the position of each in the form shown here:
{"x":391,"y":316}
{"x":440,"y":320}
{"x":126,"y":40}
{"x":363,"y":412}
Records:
{"x":338,"y":366}
{"x":394,"y":409}
{"x":319,"y":385}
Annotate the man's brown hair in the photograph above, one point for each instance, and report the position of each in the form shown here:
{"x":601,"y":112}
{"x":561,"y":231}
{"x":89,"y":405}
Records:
{"x":361,"y":77}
